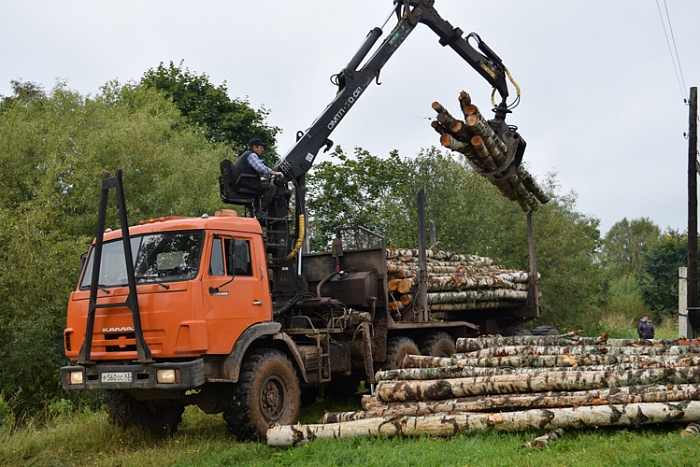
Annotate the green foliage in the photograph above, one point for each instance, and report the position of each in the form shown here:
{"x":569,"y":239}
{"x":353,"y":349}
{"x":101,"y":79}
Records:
{"x":626,"y":243}
{"x":356,"y":191}
{"x":567,"y":245}
{"x":54,"y":148}
{"x":659,"y":279}
{"x":625,"y":302}
{"x":6,"y":416}
{"x":224,"y":120}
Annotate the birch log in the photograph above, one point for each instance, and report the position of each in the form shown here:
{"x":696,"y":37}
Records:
{"x":546,"y":361}
{"x":467,"y":371}
{"x":374,"y":407}
{"x":466,"y":344}
{"x":442,"y":425}
{"x":513,"y":350}
{"x":476,"y":295}
{"x":403,"y":391}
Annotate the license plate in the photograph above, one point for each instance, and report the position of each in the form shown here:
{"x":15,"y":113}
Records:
{"x":116,"y":377}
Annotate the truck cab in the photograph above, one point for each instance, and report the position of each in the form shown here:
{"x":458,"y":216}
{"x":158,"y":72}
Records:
{"x":201,"y":282}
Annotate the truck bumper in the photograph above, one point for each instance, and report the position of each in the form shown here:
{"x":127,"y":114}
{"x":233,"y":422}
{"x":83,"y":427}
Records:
{"x":173,"y":375}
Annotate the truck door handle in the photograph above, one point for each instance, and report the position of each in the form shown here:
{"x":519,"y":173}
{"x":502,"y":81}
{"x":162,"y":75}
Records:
{"x":257,"y":302}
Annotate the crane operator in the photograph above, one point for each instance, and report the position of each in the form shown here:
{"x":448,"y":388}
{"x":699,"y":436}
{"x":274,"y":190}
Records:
{"x":249,"y":163}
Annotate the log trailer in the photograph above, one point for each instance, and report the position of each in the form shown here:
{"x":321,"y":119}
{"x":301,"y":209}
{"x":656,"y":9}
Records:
{"x":225,"y":312}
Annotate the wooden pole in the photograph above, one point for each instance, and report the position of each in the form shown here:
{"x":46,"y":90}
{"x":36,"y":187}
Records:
{"x":534,"y":292}
{"x":693,"y":201}
{"x":423,"y":261}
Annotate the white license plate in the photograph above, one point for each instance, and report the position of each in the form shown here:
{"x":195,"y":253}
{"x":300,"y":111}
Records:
{"x":116,"y":377}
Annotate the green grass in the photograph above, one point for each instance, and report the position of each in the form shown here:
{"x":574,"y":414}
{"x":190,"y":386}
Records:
{"x":620,"y":328}
{"x":88,"y":439}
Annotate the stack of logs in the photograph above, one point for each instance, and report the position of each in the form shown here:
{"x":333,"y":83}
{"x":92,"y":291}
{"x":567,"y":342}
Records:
{"x":455,"y":282}
{"x":524,"y":383}
{"x":487,"y":153}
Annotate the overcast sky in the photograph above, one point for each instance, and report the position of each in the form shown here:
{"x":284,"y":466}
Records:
{"x":601,"y":105}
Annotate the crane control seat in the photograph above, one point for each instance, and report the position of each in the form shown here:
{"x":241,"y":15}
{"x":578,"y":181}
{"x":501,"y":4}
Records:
{"x":233,"y":189}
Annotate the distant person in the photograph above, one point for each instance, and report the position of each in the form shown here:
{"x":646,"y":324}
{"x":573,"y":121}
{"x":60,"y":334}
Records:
{"x":645,"y":328}
{"x":249,"y":163}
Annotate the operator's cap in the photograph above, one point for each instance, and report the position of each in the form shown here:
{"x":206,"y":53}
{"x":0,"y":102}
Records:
{"x":256,"y":142}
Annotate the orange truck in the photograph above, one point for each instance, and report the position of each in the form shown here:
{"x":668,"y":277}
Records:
{"x":226,"y":313}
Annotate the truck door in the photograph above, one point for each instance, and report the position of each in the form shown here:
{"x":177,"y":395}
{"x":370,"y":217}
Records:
{"x":235,"y":291}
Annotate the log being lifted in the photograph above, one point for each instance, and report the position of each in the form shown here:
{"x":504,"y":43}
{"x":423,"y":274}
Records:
{"x":374,"y":407}
{"x":442,"y":425}
{"x":486,"y":153}
{"x":536,"y":381}
{"x":549,"y":361}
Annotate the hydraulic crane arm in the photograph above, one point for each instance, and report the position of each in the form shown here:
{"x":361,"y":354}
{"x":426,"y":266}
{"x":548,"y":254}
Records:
{"x":352,"y":82}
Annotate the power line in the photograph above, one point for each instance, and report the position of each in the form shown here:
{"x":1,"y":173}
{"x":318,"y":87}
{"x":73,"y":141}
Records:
{"x":674,"y":58}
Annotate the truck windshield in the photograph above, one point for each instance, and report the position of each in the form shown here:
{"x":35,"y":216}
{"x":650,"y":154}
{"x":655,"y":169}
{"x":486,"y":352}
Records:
{"x":158,"y":257}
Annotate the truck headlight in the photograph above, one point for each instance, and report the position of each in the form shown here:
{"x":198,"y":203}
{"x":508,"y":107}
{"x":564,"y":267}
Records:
{"x":75,"y":377}
{"x":166,"y":376}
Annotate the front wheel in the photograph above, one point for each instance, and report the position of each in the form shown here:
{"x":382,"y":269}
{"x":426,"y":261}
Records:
{"x":267,"y":393}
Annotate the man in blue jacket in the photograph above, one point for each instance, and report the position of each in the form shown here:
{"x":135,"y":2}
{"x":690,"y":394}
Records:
{"x":249,"y":163}
{"x":645,"y":328}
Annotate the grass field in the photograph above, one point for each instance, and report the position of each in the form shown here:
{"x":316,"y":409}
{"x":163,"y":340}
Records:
{"x":87,"y":439}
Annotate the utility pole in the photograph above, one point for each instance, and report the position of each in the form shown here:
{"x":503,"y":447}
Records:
{"x":693,"y":201}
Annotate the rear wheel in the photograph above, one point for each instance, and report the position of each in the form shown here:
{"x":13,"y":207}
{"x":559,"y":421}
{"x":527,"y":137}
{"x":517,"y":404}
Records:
{"x":396,"y":350}
{"x":267,"y":393}
{"x":159,"y":417}
{"x":439,"y":344}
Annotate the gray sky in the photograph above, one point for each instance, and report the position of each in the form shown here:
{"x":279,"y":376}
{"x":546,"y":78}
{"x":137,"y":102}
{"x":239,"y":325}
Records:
{"x":601,"y":103}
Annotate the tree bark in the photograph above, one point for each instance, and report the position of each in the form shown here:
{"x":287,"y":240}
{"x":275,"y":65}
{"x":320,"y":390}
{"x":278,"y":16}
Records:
{"x":548,"y":361}
{"x":537,"y":381}
{"x":374,"y":407}
{"x":450,"y":142}
{"x":520,"y":350}
{"x":476,"y":295}
{"x":542,"y":441}
{"x":466,"y":371}
{"x":469,"y":344}
{"x":441,"y":425}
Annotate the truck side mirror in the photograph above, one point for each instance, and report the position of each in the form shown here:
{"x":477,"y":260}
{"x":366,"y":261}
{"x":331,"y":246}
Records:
{"x":83,"y":260}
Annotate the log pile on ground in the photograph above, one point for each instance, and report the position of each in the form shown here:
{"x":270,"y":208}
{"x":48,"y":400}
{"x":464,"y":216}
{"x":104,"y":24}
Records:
{"x":524,"y":383}
{"x":455,"y":282}
{"x":487,"y":153}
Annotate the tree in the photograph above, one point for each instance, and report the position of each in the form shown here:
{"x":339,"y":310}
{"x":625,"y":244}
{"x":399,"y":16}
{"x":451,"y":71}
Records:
{"x":659,"y":279}
{"x":355,"y":191}
{"x":626,"y":243}
{"x":224,"y":120}
{"x":54,"y":148}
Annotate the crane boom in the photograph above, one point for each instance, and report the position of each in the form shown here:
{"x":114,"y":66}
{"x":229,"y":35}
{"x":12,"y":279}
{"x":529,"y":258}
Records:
{"x":352,"y":82}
